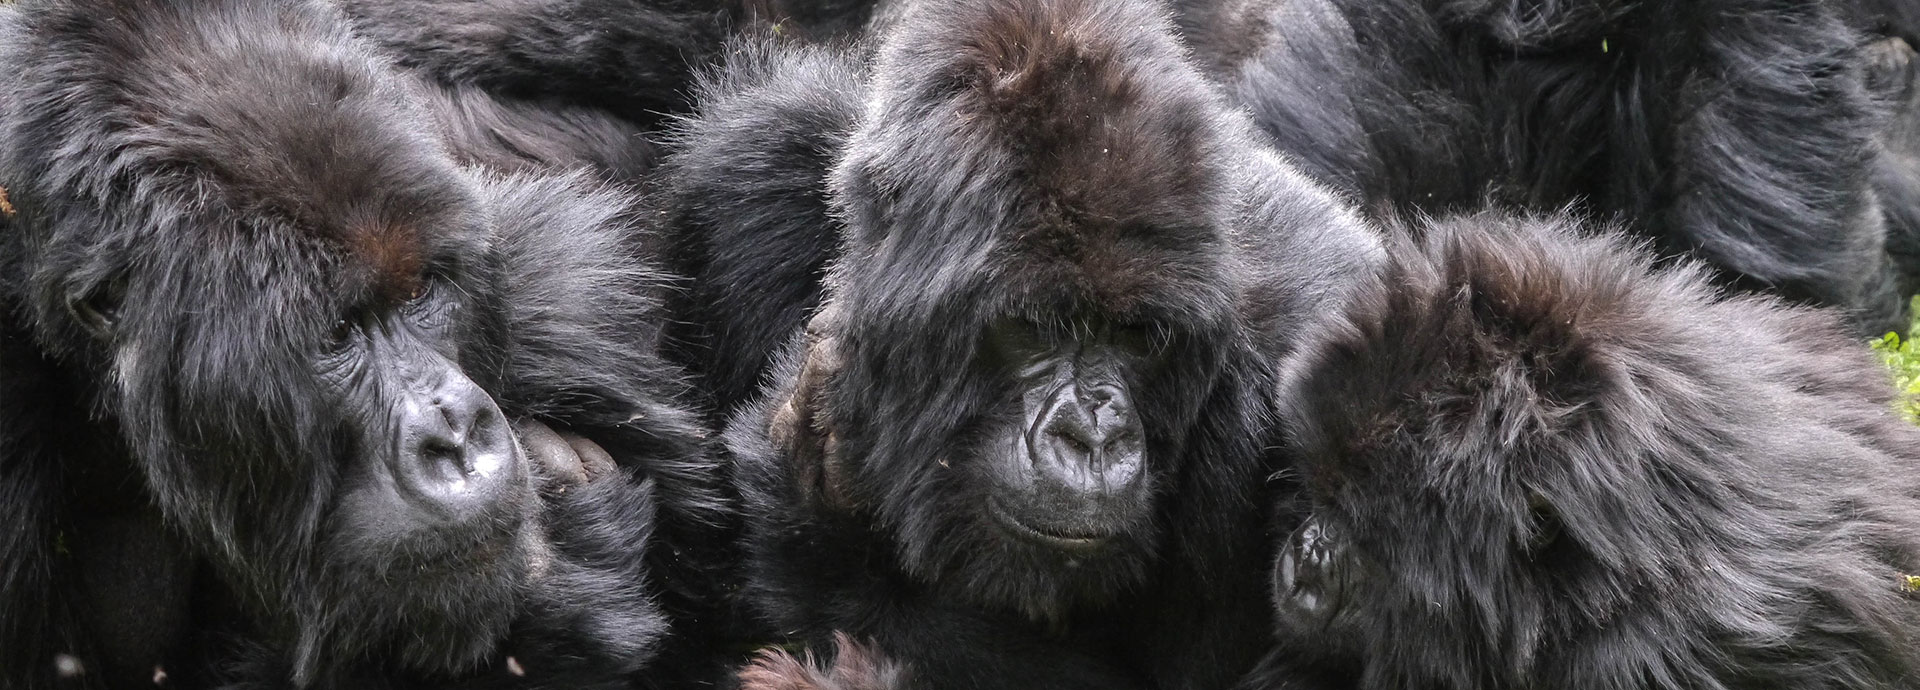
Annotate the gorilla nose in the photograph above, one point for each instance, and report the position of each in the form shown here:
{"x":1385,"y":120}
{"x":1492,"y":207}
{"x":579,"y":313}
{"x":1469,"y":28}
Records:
{"x":461,"y":459}
{"x":1090,"y":441}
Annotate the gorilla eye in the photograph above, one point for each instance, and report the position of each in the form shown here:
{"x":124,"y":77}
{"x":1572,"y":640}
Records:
{"x":424,"y":303}
{"x":340,"y":334}
{"x":97,"y":312}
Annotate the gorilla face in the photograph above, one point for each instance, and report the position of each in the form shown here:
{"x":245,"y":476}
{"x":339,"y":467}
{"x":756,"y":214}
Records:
{"x":1036,"y":298}
{"x":287,"y":304}
{"x":1032,"y":471}
{"x":1069,"y":471}
{"x":329,"y":431}
{"x":436,"y":451}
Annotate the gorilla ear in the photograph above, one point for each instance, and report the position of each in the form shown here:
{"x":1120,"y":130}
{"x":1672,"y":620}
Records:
{"x":97,"y":310}
{"x":802,"y":426}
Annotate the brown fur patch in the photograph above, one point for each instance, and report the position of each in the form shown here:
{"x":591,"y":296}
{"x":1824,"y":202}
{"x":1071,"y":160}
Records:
{"x":393,"y":254}
{"x":6,"y":206}
{"x":855,"y":667}
{"x":1109,"y":138}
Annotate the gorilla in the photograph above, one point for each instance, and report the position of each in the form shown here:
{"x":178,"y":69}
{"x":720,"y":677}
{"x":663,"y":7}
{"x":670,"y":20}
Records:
{"x":1020,"y":439}
{"x":1736,"y":131}
{"x":289,"y":398}
{"x":1531,"y":459}
{"x":1893,"y":76}
{"x":601,"y":84}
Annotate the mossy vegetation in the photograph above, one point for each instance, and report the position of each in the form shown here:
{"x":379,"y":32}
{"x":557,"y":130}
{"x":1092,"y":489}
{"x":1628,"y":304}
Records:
{"x":1902,"y":355}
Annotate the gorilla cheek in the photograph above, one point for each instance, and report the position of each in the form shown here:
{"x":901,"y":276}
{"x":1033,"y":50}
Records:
{"x":1072,"y":475}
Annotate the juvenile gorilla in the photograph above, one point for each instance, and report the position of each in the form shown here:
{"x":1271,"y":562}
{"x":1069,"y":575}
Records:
{"x":1020,"y":443}
{"x":265,"y":351}
{"x":1535,"y":461}
{"x":1737,"y":131}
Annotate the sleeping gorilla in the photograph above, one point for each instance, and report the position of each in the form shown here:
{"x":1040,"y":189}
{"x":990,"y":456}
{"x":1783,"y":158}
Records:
{"x":263,"y":343}
{"x":1738,"y":131}
{"x":1020,"y":443}
{"x":1535,"y":461}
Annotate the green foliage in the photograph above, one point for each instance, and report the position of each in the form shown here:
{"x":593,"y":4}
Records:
{"x":1902,"y":355}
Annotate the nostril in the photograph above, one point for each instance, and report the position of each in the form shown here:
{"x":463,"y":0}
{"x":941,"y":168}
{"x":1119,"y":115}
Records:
{"x":1072,"y":434}
{"x":1075,"y":444}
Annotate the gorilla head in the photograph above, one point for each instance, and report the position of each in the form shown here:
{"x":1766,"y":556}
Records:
{"x":1535,"y":461}
{"x":1036,"y":300}
{"x":278,"y":292}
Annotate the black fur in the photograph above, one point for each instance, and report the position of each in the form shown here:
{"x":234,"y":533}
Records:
{"x":505,"y":133}
{"x":1053,"y":161}
{"x":186,"y":185}
{"x":743,"y":199}
{"x":1738,"y":131}
{"x":633,"y":58}
{"x":1533,"y":460}
{"x":1893,"y":75}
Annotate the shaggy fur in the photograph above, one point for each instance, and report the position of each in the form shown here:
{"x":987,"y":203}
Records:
{"x":742,"y":196}
{"x":1893,"y":75}
{"x":1047,"y":162}
{"x":1737,"y":131}
{"x":195,"y":192}
{"x":621,"y":62}
{"x":1533,"y":460}
{"x":854,"y":667}
{"x":632,"y":58}
{"x":506,"y":133}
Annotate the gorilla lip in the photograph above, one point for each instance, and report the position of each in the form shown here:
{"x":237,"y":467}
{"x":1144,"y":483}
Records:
{"x":1064,"y":542}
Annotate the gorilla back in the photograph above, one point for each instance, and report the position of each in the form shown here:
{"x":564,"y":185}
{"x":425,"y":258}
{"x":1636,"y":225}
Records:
{"x":1020,"y":443}
{"x":255,"y":318}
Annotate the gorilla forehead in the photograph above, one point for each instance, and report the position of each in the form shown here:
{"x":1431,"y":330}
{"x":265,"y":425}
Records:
{"x":1059,"y":154}
{"x":290,"y":144}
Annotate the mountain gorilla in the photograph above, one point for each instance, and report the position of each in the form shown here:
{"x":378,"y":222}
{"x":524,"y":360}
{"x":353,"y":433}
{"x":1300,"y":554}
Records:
{"x":266,"y":348}
{"x":1738,"y":131}
{"x":1535,"y":461}
{"x":1020,"y":442}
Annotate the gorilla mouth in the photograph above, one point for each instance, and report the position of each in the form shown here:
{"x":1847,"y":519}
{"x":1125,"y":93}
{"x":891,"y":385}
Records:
{"x":1049,"y":537}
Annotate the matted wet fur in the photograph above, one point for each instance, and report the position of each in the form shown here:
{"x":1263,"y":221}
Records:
{"x":1531,"y":459}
